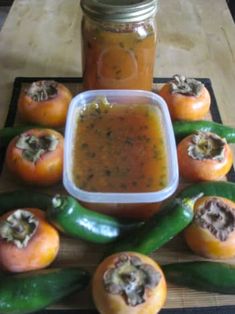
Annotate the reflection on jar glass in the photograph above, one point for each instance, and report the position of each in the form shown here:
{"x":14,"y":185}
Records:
{"x":119,"y":44}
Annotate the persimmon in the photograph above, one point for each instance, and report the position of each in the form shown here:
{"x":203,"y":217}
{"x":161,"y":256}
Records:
{"x":27,"y":240}
{"x":129,"y":283}
{"x":45,"y":103}
{"x":204,"y":156}
{"x":36,"y":156}
{"x":212,"y":232}
{"x":186,"y":98}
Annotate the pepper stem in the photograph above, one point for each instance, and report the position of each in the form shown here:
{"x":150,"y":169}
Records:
{"x":57,"y":201}
{"x":196,"y":197}
{"x":189,"y":202}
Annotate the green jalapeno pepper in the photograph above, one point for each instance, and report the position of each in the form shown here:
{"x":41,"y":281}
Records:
{"x":69,"y":216}
{"x":8,"y":133}
{"x":74,"y":220}
{"x":33,"y":291}
{"x":185,"y":128}
{"x":22,"y":199}
{"x":159,"y":229}
{"x":202,"y":275}
{"x":211,"y":188}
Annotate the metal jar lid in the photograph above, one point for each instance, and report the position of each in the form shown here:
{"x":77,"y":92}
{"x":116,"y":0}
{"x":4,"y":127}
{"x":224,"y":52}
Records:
{"x":120,"y":10}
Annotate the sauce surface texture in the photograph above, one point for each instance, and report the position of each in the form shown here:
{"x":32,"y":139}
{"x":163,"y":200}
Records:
{"x":119,"y":148}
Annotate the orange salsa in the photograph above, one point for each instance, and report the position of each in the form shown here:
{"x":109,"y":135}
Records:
{"x":118,"y":56}
{"x":119,"y":148}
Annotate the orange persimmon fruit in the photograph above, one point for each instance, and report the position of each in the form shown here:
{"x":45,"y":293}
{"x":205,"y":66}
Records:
{"x":204,"y":156}
{"x":186,"y":98}
{"x":36,"y":156}
{"x":129,"y":283}
{"x":45,"y":103}
{"x":27,"y":240}
{"x":212,"y":232}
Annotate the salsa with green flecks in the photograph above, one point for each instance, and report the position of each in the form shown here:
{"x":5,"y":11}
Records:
{"x":119,"y":148}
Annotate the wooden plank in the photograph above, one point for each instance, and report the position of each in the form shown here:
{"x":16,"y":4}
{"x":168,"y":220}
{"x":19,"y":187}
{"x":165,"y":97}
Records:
{"x":196,"y":38}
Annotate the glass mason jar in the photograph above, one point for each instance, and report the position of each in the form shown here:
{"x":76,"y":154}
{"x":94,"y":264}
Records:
{"x":118,"y":43}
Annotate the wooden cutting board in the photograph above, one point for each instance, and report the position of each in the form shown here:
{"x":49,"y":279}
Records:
{"x":75,"y":252}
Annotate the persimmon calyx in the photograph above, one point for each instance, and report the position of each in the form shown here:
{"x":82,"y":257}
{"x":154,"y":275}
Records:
{"x":19,"y":228}
{"x":217,"y":217}
{"x":186,"y":86}
{"x":43,"y":90}
{"x":130,"y":278}
{"x":34,"y":147}
{"x":206,"y":145}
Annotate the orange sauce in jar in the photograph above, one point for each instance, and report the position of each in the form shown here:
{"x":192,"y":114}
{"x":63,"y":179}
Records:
{"x":118,"y":55}
{"x":119,"y":148}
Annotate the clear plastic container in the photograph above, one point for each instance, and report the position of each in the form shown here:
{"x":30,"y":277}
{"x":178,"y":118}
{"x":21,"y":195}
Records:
{"x":120,"y":97}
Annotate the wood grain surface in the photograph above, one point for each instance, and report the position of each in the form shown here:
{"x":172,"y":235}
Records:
{"x":196,"y":38}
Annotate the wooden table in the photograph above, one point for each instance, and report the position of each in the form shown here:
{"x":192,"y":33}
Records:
{"x":196,"y":38}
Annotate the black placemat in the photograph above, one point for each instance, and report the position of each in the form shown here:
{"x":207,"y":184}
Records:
{"x":199,"y":310}
{"x":230,"y":176}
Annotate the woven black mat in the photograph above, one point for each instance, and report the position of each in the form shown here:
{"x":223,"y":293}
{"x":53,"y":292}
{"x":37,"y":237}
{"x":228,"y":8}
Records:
{"x":231,"y":177}
{"x":199,"y":310}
